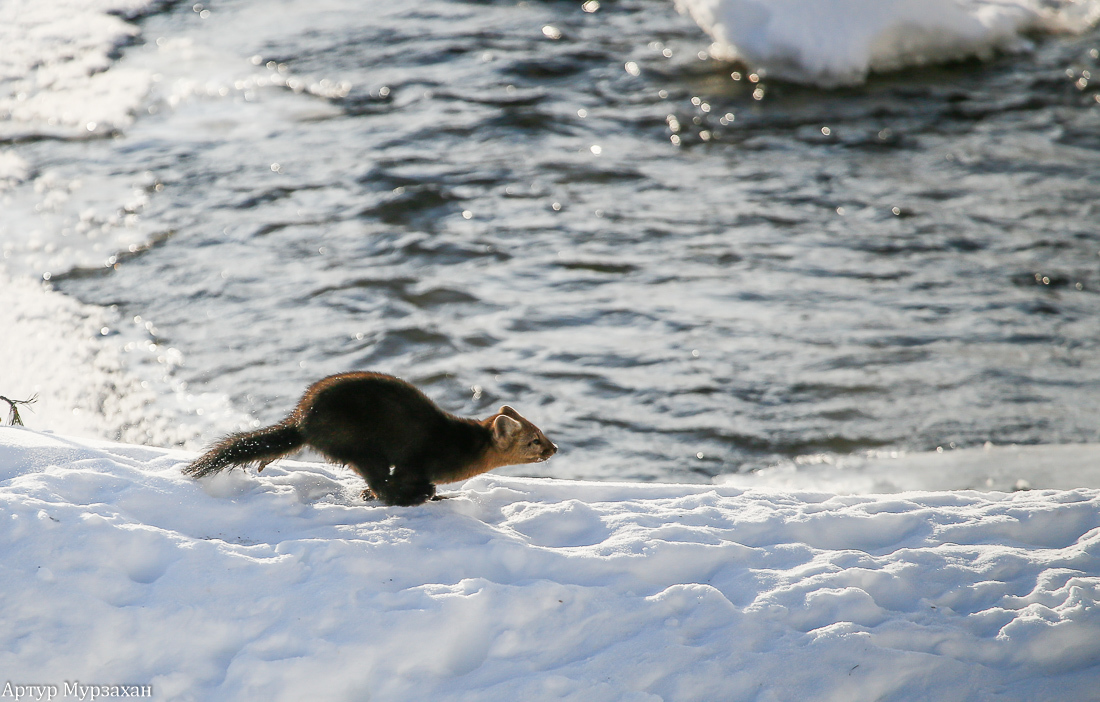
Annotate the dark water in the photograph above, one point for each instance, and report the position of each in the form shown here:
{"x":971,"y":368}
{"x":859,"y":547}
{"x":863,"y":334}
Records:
{"x":501,"y":216}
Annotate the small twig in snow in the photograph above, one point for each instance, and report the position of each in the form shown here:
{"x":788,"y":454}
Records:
{"x":13,"y":415}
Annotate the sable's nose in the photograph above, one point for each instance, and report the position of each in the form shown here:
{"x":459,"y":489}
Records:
{"x":551,"y":450}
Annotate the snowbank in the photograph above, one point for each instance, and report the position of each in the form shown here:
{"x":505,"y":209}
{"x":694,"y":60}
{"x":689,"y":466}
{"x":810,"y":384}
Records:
{"x":50,"y":341}
{"x":1003,"y":468}
{"x":838,"y":42}
{"x":95,"y":374}
{"x":284,"y":586}
{"x":53,"y":77}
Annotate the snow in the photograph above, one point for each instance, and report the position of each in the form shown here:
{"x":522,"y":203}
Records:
{"x":53,"y":69}
{"x":50,"y":340}
{"x":94,"y":374}
{"x":838,"y":42}
{"x":284,"y":586}
{"x":1004,"y":468}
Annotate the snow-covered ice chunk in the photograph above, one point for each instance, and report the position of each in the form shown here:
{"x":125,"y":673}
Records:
{"x":838,"y":42}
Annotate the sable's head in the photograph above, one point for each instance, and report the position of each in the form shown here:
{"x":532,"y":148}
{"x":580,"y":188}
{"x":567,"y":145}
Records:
{"x":516,"y":440}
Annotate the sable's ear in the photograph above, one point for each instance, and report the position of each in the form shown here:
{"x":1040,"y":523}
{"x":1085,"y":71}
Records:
{"x":504,"y":428}
{"x":505,"y":409}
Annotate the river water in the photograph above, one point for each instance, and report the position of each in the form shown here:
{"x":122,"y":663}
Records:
{"x":575,"y":210}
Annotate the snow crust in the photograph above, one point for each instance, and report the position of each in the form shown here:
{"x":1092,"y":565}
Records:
{"x":838,"y":42}
{"x":284,"y":586}
{"x":53,"y":69}
{"x":94,"y":374}
{"x":1003,"y":468}
{"x":50,"y":346}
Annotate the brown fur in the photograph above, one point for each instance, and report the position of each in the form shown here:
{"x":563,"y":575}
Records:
{"x":513,"y":443}
{"x":390,"y":433}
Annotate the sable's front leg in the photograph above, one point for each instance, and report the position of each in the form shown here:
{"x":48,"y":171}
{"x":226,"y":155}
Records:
{"x":379,"y":484}
{"x":374,"y":474}
{"x":405,"y":488}
{"x":395,"y":485}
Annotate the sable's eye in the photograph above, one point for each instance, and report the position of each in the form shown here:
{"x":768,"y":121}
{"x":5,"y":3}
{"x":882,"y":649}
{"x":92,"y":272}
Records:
{"x":536,"y":442}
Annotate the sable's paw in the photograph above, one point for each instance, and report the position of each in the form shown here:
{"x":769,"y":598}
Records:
{"x":367,"y":495}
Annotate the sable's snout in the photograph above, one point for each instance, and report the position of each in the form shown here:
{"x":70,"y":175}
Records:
{"x":548,"y":451}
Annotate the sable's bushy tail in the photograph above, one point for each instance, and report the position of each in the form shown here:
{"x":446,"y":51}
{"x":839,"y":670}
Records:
{"x":262,"y":446}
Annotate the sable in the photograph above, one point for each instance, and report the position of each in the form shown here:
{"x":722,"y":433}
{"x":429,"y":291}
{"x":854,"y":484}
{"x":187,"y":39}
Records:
{"x":387,"y":431}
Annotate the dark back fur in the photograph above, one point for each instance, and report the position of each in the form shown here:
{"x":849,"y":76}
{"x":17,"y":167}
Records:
{"x":372,"y":421}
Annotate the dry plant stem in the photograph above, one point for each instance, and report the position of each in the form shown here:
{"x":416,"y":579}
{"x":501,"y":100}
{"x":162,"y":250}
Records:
{"x":13,"y":415}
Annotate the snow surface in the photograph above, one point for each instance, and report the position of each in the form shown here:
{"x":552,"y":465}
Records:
{"x":838,"y":42}
{"x":53,"y":68}
{"x":1004,"y":468}
{"x":284,"y":586}
{"x":93,"y":374}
